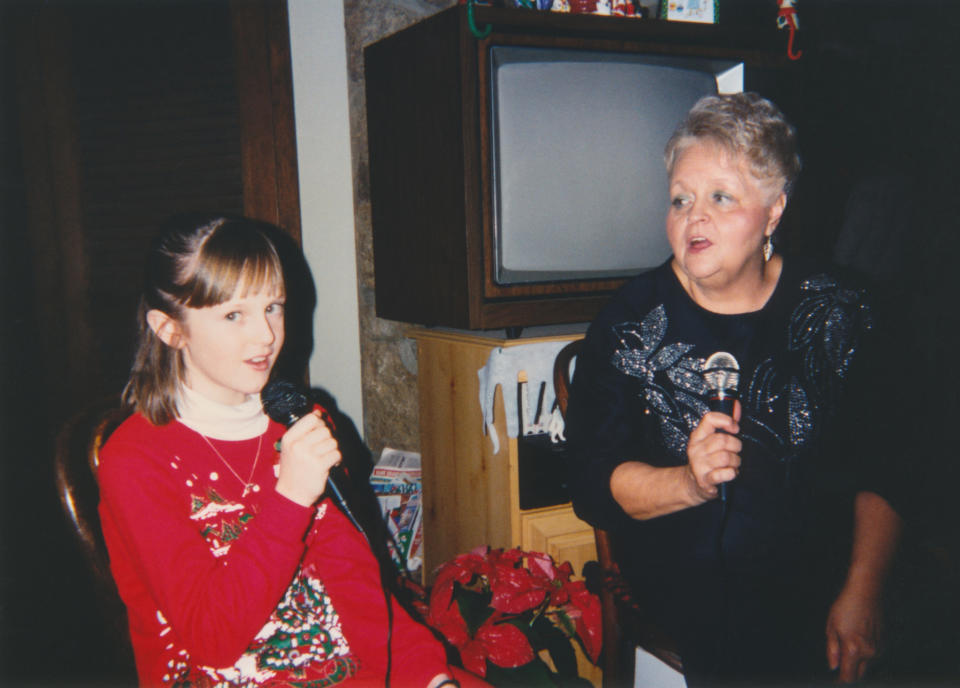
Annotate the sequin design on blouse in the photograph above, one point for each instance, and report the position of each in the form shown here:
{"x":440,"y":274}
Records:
{"x":824,"y":332}
{"x":823,"y":336}
{"x":641,"y":354}
{"x":825,"y":329}
{"x":788,"y":396}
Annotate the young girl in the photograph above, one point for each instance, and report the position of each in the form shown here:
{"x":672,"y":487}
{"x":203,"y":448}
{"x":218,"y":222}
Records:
{"x":235,"y":568}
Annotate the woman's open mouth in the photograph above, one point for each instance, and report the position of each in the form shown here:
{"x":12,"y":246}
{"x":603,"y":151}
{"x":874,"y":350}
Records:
{"x":697,"y":244}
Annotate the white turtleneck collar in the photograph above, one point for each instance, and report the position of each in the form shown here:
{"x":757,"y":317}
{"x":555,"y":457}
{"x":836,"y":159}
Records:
{"x":221,"y":421}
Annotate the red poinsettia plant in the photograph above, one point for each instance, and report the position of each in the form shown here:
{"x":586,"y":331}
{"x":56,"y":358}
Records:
{"x":501,"y":608}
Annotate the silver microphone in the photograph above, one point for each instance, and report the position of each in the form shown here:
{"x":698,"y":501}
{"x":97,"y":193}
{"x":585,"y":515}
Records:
{"x":721,"y":373}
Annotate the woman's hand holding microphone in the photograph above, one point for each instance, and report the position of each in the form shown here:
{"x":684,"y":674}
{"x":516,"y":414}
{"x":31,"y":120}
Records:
{"x":713,"y":452}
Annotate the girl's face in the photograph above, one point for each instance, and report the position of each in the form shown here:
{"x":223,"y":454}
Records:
{"x":229,"y":349}
{"x":719,"y":217}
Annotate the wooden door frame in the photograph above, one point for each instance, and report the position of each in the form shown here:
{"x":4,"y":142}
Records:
{"x":271,"y":189}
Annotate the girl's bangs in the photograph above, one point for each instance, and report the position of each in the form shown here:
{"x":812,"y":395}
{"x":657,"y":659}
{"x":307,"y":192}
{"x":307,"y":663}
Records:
{"x":222,"y":274}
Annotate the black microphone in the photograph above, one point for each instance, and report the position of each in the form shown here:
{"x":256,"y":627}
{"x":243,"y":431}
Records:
{"x":286,"y":404}
{"x":721,"y":373}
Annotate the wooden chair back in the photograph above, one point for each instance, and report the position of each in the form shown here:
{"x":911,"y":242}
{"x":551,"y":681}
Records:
{"x":76,"y":460}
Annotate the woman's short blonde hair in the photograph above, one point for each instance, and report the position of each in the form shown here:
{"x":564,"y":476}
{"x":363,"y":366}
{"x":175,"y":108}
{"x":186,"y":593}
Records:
{"x":745,"y":124}
{"x":195,"y":262}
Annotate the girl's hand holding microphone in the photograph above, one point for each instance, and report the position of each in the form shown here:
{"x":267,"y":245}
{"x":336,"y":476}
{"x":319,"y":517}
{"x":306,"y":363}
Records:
{"x":308,"y":451}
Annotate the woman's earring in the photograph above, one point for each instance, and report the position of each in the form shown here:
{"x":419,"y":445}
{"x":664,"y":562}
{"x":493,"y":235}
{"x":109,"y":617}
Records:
{"x":768,"y":249}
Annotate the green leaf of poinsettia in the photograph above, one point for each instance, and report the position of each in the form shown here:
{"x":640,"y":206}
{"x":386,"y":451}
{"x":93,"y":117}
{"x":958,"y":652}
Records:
{"x":558,"y":645}
{"x":567,"y":624}
{"x":474,"y":607}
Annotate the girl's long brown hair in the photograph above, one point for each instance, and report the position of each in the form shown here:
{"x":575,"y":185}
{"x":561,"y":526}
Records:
{"x":193,"y":263}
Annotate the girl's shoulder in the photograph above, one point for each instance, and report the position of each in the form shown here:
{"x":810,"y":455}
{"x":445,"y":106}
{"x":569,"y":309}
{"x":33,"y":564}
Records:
{"x":136,"y":430}
{"x":138,"y":439}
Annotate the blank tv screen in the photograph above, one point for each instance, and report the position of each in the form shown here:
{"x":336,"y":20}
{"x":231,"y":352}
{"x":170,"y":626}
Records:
{"x":580,"y":189}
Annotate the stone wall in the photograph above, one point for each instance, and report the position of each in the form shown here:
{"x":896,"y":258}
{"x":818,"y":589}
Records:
{"x":388,"y":359}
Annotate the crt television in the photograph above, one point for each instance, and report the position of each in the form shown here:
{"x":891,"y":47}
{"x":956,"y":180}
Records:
{"x":579,"y":187}
{"x":517,"y":179}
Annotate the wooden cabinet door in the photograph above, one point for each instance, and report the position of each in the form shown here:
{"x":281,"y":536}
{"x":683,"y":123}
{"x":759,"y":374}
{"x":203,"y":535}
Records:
{"x":558,"y":532}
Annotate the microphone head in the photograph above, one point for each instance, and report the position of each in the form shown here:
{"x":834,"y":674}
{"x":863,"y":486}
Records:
{"x":721,"y":373}
{"x":284,"y":402}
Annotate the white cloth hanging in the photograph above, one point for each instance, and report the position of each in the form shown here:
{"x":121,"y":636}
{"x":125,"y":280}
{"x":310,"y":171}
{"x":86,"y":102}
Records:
{"x":503,"y":368}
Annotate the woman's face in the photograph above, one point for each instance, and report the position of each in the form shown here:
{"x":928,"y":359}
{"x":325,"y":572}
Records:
{"x":229,"y":349}
{"x":720,"y":215}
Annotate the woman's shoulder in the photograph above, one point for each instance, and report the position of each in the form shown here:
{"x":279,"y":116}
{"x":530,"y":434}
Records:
{"x":806,"y":273}
{"x":634,"y":300}
{"x":827,"y":308}
{"x":820,"y":289}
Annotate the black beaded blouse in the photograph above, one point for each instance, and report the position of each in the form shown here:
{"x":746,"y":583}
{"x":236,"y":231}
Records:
{"x":813,"y":435}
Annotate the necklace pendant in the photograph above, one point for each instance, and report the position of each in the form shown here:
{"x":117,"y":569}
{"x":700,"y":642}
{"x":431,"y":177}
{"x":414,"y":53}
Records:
{"x":249,"y":485}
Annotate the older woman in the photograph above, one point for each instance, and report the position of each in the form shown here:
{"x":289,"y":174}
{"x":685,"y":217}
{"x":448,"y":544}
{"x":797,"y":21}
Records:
{"x":747,"y":583}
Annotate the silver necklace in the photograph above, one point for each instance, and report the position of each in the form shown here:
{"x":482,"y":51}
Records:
{"x":248,"y":485}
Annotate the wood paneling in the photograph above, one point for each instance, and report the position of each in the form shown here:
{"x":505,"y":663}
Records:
{"x":52,"y":186}
{"x":271,"y":189}
{"x":467,"y":489}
